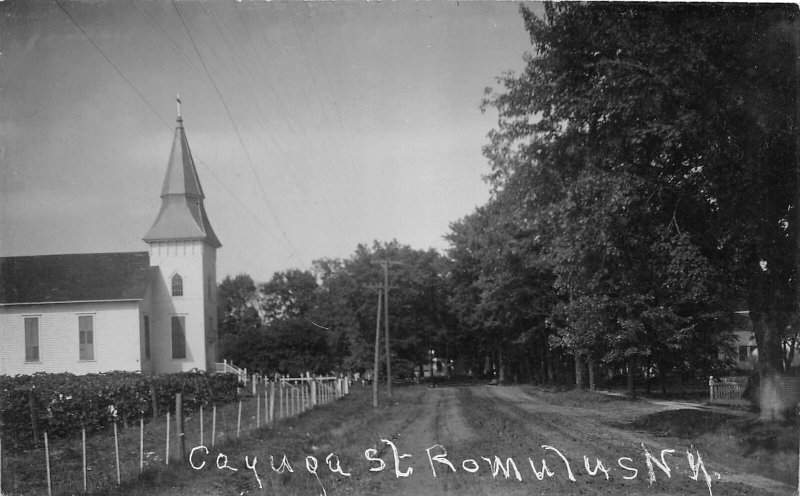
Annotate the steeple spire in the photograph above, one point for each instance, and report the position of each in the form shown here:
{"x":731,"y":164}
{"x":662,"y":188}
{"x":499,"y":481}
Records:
{"x":182,"y":215}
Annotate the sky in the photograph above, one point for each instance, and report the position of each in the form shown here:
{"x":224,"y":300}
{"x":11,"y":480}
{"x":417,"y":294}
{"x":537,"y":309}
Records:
{"x":314,"y":126}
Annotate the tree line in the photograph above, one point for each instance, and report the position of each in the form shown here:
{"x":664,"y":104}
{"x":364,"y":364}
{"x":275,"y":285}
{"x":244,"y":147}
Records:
{"x":644,"y":178}
{"x":324,"y":319}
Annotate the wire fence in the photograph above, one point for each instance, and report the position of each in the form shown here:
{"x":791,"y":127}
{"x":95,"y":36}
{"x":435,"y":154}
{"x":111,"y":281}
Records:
{"x":86,"y":464}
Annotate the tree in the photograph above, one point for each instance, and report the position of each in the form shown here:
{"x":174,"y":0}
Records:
{"x":337,"y":297}
{"x":296,"y":347}
{"x":656,"y":126}
{"x":288,"y":294}
{"x":417,"y":309}
{"x":500,"y":291}
{"x":237,"y":302}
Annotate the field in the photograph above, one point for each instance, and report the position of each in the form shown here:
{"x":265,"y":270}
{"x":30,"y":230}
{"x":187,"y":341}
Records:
{"x":25,"y":468}
{"x":476,"y":430}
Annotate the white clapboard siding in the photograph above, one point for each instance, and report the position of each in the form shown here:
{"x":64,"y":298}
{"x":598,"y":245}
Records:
{"x":117,"y":341}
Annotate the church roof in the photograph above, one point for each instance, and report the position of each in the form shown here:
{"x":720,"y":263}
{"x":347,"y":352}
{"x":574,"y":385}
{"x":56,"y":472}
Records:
{"x":77,"y":277}
{"x":182,"y":215}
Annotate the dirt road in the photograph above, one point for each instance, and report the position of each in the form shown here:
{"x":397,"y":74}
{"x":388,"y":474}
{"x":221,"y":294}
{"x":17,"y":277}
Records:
{"x":465,"y":441}
{"x":483,"y":427}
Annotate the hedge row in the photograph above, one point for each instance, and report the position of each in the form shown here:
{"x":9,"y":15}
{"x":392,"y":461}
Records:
{"x":65,"y":402}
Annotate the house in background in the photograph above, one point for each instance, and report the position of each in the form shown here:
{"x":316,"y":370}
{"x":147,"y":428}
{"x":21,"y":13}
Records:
{"x":745,"y":347}
{"x":153,"y":311}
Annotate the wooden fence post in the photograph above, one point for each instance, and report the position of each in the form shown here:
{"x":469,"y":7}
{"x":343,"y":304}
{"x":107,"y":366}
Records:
{"x":154,"y":398}
{"x":213,"y":424}
{"x":141,"y":443}
{"x":179,"y":426}
{"x":47,"y":462}
{"x":166,"y":456}
{"x":116,"y":451}
{"x":83,"y":445}
{"x":271,"y":402}
{"x":239,"y":420}
{"x":34,"y":415}
{"x":313,"y":385}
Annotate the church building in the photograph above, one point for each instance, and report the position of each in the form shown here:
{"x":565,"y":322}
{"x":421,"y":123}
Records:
{"x":152,"y":311}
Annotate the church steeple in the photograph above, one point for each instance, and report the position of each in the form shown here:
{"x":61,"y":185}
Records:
{"x":182,"y":215}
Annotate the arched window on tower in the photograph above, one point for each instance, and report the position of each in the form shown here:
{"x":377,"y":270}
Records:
{"x":177,"y":285}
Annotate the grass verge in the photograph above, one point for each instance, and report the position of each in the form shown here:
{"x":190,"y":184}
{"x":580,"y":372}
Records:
{"x":768,"y":449}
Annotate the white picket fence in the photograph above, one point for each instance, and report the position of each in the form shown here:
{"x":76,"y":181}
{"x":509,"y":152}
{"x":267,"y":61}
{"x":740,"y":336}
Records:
{"x":289,"y":395}
{"x":728,"y":391}
{"x":227,"y":367}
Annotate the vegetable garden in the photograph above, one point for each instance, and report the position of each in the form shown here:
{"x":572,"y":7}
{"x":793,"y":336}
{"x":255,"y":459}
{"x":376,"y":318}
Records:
{"x":67,"y":434}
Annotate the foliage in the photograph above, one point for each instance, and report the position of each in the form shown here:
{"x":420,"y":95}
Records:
{"x":324,"y":319}
{"x":297,"y":347}
{"x":288,"y":294}
{"x":418,"y":313}
{"x":66,"y":402}
{"x":237,"y":311}
{"x":644,"y":159}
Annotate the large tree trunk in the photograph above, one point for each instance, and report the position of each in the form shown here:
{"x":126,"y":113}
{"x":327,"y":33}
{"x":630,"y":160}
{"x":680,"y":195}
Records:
{"x":543,"y":361}
{"x":527,"y":370}
{"x":767,"y":329}
{"x":592,"y":373}
{"x":631,"y":379}
{"x":569,"y":372}
{"x":580,"y":369}
{"x":501,"y":366}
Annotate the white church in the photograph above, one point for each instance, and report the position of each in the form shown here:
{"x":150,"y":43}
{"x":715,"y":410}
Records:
{"x":153,"y":311}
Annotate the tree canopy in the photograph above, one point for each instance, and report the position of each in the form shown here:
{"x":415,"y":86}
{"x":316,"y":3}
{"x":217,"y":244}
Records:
{"x":650,"y":150}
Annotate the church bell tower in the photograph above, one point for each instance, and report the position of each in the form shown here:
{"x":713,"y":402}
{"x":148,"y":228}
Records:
{"x":183,"y":317}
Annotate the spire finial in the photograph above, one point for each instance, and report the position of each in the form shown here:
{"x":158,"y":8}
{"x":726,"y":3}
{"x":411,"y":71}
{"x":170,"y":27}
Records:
{"x":178,"y":101}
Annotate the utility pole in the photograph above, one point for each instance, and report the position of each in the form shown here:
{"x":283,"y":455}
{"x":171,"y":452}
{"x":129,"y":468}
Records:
{"x":796,"y":36}
{"x":377,"y":354}
{"x":385,"y":264}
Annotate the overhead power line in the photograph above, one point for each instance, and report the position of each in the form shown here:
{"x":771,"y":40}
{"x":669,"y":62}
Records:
{"x":236,"y":131}
{"x":110,"y":62}
{"x":158,"y":115}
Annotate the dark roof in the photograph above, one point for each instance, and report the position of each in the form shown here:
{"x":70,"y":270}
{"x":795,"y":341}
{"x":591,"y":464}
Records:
{"x":182,"y":215}
{"x":80,"y":277}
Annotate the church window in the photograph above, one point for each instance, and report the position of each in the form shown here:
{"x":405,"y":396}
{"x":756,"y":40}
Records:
{"x":31,"y":339}
{"x":178,"y":336}
{"x":177,"y":285}
{"x":86,"y":337}
{"x":147,"y":337}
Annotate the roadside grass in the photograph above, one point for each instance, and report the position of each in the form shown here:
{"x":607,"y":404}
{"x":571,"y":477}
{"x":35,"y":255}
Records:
{"x":769,"y":449}
{"x":344,"y":428}
{"x":24,"y":464}
{"x":575,"y":398}
{"x":737,"y":440}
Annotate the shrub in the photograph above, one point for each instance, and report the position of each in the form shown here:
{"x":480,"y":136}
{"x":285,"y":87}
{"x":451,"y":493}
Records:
{"x":65,"y":402}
